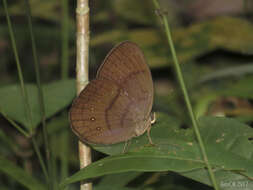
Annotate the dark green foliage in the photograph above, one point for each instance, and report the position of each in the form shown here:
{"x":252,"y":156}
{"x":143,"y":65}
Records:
{"x":216,"y":59}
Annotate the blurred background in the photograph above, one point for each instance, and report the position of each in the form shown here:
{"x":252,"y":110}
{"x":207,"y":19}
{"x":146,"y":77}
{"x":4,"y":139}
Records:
{"x":213,"y":41}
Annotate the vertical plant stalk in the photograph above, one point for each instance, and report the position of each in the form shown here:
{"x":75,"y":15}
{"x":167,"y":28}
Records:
{"x":186,"y":96}
{"x":20,"y":75}
{"x":82,"y":77}
{"x":24,"y":92}
{"x":65,"y":36}
{"x":64,"y":75}
{"x":40,"y":92}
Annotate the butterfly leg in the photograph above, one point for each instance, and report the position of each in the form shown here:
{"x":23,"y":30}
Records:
{"x":149,"y":136}
{"x":127,"y":144}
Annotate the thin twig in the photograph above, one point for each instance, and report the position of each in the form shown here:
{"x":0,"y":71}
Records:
{"x":82,"y":44}
{"x":186,"y":96}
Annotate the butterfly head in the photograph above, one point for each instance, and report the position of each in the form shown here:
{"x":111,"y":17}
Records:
{"x":142,"y":126}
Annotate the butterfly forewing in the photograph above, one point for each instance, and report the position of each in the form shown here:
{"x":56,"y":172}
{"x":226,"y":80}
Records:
{"x":126,"y":66}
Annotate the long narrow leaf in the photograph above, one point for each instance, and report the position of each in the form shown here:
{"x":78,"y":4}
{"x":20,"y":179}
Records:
{"x":177,"y":150}
{"x":20,"y":175}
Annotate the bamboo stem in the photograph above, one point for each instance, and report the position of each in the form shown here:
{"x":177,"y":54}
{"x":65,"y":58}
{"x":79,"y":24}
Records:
{"x":82,"y":44}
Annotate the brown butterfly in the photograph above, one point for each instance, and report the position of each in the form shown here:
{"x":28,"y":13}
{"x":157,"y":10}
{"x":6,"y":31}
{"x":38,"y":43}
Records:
{"x":115,"y":106}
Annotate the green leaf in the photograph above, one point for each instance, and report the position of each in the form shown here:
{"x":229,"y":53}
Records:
{"x":134,"y":162}
{"x":227,"y":180}
{"x":226,"y":141}
{"x":20,"y":175}
{"x":57,"y":95}
{"x":135,"y":11}
{"x":217,"y":33}
{"x":242,"y":88}
{"x":229,"y":140}
{"x":148,"y":39}
{"x":41,"y":9}
{"x":190,"y":42}
{"x":233,"y":137}
{"x":119,"y":180}
{"x":111,"y":187}
{"x":235,"y":71}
